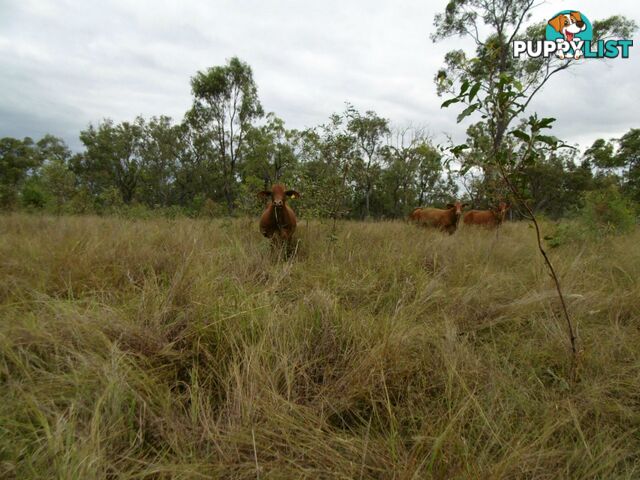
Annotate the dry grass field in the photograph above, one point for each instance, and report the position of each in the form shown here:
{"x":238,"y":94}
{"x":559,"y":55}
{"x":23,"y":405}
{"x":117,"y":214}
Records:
{"x":158,"y":349}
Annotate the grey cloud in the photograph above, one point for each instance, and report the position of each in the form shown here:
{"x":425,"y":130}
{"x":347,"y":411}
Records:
{"x":67,"y":64}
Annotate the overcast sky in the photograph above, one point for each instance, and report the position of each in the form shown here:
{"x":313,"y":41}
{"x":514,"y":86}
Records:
{"x":66,"y":64}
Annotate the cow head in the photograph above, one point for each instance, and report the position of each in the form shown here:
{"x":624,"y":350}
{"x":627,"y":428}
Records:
{"x":458,"y":207}
{"x":278,"y":195}
{"x":500,"y":211}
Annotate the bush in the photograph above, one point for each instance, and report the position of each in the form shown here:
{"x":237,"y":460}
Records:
{"x":174,"y":211}
{"x":607,"y":211}
{"x":567,"y":232}
{"x":81,"y":203}
{"x":135,"y":211}
{"x":33,"y":195}
{"x":248,"y":203}
{"x":109,"y":201}
{"x":211,"y":209}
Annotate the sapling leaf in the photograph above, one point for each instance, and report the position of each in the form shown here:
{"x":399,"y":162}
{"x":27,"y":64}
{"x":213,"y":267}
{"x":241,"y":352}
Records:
{"x":521,"y":135}
{"x":468,"y":111}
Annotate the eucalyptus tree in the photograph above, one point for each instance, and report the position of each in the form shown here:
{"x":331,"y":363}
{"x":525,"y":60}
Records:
{"x":56,"y":176}
{"x":18,"y":159}
{"x":112,"y":158}
{"x":270,"y":152}
{"x":369,"y":131}
{"x":225,"y":105}
{"x":619,"y":158}
{"x":162,"y":145}
{"x":327,"y":154}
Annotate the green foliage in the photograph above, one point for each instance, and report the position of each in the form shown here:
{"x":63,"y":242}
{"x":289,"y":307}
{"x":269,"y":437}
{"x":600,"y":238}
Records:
{"x":601,"y":154}
{"x":368,"y":132}
{"x":109,"y":201}
{"x":607,"y":211}
{"x":629,"y":156}
{"x":554,"y":185}
{"x":329,"y":154}
{"x":18,"y":159}
{"x":270,"y":154}
{"x":211,"y":209}
{"x":33,"y":194}
{"x":59,"y":182}
{"x":224,"y":108}
{"x":356,"y":165}
{"x":615,"y":26}
{"x":619,"y":165}
{"x":569,"y":232}
{"x":162,"y":146}
{"x":113,"y":158}
{"x":173,"y":212}
{"x":82,"y":202}
{"x":248,"y":202}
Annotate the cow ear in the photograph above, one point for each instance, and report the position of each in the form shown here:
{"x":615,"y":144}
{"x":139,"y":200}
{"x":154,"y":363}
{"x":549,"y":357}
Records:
{"x":264,"y":194}
{"x":464,"y":205}
{"x":292,"y":194}
{"x":450,"y":205}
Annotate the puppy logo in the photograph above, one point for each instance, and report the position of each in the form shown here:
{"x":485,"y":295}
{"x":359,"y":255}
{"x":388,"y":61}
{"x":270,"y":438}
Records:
{"x":568,"y":25}
{"x":571,"y":27}
{"x":569,"y":35}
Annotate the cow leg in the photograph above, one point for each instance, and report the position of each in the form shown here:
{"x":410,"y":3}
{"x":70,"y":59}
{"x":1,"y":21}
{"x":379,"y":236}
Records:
{"x":287,"y":242}
{"x":292,"y":247}
{"x":280,"y":246}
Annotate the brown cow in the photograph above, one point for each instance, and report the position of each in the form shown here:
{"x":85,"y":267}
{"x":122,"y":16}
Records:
{"x":446,"y":220}
{"x":278,"y":221}
{"x":487,"y":218}
{"x":415,"y":215}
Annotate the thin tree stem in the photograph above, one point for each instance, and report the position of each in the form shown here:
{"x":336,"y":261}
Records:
{"x":556,"y":280}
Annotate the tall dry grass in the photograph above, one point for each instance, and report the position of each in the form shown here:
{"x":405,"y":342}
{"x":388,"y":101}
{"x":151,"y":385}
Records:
{"x":183,"y":349}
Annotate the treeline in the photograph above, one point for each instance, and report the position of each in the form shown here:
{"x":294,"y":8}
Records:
{"x":356,"y":165}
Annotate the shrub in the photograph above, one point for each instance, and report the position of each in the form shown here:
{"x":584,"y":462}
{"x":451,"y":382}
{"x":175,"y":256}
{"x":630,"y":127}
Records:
{"x":135,"y":211}
{"x":567,"y":232}
{"x":174,"y":211}
{"x":211,"y":209}
{"x":109,"y":201}
{"x":33,"y":195}
{"x":248,"y":203}
{"x":82,"y":202}
{"x":607,"y":211}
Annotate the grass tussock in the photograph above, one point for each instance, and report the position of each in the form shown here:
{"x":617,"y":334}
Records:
{"x":183,"y":349}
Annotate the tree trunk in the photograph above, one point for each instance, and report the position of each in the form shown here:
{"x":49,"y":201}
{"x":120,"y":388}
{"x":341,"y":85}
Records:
{"x":366,"y":207}
{"x":228,"y":197}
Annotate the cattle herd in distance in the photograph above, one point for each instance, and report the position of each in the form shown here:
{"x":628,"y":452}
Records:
{"x":278,"y":221}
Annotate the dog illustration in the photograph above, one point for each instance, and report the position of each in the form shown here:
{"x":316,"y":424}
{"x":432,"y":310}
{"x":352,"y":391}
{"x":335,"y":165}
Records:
{"x":568,"y":24}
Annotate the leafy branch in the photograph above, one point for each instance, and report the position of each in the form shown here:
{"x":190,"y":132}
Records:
{"x":534,"y":144}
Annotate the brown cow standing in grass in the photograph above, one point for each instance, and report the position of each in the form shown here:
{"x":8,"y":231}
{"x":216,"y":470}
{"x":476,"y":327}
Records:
{"x":446,"y":220}
{"x":415,"y":215}
{"x":487,"y":218}
{"x":278,"y":221}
